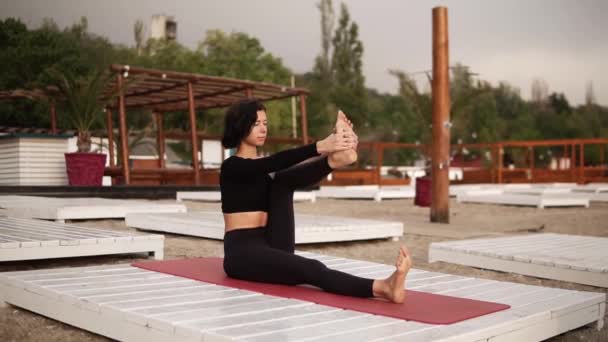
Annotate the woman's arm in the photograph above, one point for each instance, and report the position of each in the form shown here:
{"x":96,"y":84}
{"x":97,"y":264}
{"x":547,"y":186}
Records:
{"x":278,"y":161}
{"x":284,"y":159}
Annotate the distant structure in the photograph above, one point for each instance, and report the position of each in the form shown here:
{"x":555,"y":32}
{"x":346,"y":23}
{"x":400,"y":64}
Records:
{"x":163,"y":27}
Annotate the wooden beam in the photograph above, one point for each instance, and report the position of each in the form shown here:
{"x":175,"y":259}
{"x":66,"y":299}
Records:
{"x":193,"y":138}
{"x":572,"y":163}
{"x":184,"y":99}
{"x":156,"y":90}
{"x":304,"y":119}
{"x":441,"y":118}
{"x":198,"y":77}
{"x":160,"y":138}
{"x":379,"y":162}
{"x":110,"y":128}
{"x":581,"y":166}
{"x":219,"y":104}
{"x":53,"y":118}
{"x":124,"y":138}
{"x":531,"y":151}
{"x":501,"y":154}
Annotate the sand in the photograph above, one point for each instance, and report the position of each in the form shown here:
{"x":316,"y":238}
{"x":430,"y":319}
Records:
{"x":466,"y":221}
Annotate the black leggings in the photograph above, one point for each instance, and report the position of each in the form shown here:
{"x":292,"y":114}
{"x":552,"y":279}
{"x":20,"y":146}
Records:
{"x":266,"y":254}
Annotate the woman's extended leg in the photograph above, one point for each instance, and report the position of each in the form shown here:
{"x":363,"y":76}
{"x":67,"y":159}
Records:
{"x":249,"y":258}
{"x":270,"y":265}
{"x":280,"y":228}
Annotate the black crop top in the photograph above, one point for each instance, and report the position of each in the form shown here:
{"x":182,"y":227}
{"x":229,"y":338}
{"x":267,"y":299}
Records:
{"x":245,"y":183}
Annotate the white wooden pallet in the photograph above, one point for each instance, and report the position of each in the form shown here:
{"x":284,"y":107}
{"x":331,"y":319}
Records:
{"x":309,"y":228}
{"x":528,"y":200}
{"x":27,"y":239}
{"x":592,"y":196}
{"x":131,"y":304}
{"x":593,"y":188}
{"x":216,"y":196}
{"x":572,"y":258}
{"x":564,"y":191}
{"x":458,"y":189}
{"x":372,"y":192}
{"x":61,"y":209}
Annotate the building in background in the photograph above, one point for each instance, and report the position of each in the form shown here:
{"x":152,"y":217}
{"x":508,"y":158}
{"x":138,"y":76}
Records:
{"x":163,"y":27}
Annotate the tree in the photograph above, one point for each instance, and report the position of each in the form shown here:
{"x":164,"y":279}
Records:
{"x":348,"y":92}
{"x":589,"y":94}
{"x":320,"y":81}
{"x":138,"y":32}
{"x":539,"y":91}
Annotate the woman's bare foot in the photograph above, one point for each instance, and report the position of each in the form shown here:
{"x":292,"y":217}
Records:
{"x":393,"y":287}
{"x":346,"y":157}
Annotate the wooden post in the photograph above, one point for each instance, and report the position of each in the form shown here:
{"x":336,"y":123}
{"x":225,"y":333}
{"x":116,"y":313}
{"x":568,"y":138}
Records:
{"x":124,"y":137}
{"x":500,"y":160}
{"x":531,"y":151}
{"x":572,"y":163}
{"x":193,"y":135}
{"x":110,"y":128}
{"x":160,"y":139}
{"x":304,"y":123}
{"x":379,"y":162}
{"x":294,"y":122}
{"x":53,"y":118}
{"x":581,"y":166}
{"x":441,"y":118}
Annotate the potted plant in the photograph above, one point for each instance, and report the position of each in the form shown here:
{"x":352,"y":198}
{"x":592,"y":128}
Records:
{"x":83,"y":100}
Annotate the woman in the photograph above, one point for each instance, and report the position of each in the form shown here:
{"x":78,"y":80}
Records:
{"x":258,"y":208}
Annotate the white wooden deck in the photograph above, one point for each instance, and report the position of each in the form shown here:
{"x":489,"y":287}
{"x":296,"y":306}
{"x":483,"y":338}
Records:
{"x":371,"y":192}
{"x":131,"y":304}
{"x":572,"y":258}
{"x":309,"y":228}
{"x":522,"y":199}
{"x":61,"y":209}
{"x":27,"y":239}
{"x":216,"y":196}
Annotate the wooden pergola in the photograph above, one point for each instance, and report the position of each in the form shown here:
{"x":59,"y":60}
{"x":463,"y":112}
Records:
{"x":168,"y":91}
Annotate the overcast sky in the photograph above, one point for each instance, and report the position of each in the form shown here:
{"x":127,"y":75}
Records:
{"x":561,"y":41}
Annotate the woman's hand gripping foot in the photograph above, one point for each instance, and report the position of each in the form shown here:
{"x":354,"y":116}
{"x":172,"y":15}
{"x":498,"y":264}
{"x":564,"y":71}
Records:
{"x":343,"y":158}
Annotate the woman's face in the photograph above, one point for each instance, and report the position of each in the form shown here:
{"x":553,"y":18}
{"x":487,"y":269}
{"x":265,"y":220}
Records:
{"x":259,"y":130}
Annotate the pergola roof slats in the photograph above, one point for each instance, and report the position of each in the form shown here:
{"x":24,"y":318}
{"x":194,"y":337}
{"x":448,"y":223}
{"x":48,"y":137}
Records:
{"x":168,"y":91}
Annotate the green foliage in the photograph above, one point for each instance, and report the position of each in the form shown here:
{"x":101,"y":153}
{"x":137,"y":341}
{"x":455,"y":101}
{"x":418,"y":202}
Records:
{"x":337,"y":82}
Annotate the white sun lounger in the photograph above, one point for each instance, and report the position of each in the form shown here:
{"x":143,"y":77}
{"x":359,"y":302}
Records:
{"x":372,"y":192}
{"x":27,"y":239}
{"x":309,"y":228}
{"x":131,"y":304}
{"x":215,"y":196}
{"x":518,"y":199}
{"x":61,"y":209}
{"x":572,"y":258}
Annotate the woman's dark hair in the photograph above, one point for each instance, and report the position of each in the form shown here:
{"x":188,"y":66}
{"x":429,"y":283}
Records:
{"x":239,"y":120}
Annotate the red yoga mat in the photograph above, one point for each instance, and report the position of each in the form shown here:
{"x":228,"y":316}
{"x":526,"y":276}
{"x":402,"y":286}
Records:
{"x":419,"y":306}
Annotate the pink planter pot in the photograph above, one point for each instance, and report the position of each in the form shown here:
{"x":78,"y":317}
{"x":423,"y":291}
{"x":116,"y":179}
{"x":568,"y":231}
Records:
{"x":85,"y":169}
